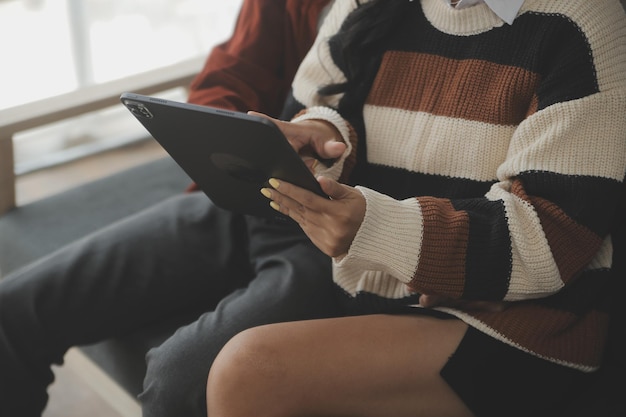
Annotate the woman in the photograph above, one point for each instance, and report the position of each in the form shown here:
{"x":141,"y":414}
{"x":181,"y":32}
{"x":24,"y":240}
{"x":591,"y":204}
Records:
{"x":488,"y":160}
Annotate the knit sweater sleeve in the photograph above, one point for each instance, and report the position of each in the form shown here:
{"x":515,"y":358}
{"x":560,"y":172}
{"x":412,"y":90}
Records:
{"x":547,"y":216}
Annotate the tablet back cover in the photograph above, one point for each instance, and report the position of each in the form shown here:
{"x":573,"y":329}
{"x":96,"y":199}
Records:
{"x":229,"y":155}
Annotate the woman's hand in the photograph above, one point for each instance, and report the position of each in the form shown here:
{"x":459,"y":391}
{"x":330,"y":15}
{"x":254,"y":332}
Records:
{"x":330,"y":224}
{"x":430,"y":301}
{"x":313,"y":140}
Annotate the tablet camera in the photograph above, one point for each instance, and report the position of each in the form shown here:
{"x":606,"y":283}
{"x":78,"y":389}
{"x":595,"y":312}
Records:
{"x":138,"y":109}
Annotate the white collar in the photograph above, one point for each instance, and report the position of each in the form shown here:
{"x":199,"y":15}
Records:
{"x":505,"y":9}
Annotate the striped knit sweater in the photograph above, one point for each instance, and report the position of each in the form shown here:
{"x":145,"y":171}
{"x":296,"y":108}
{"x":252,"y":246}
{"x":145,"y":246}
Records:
{"x":491,"y":158}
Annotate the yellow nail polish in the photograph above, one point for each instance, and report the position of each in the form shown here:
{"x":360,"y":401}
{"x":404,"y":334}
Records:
{"x":266,"y":192}
{"x":274,"y":205}
{"x":274,"y":183}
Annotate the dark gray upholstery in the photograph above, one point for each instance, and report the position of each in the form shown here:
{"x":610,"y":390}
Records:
{"x":37,"y":229}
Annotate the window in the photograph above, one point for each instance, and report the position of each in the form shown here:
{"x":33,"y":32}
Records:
{"x":60,"y":45}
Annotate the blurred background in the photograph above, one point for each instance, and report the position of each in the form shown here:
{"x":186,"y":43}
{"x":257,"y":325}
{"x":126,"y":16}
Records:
{"x":51,"y":47}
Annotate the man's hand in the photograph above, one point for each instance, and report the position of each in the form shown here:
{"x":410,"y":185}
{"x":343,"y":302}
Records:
{"x":330,"y":224}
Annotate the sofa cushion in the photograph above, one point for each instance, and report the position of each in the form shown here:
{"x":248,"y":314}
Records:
{"x":36,"y":229}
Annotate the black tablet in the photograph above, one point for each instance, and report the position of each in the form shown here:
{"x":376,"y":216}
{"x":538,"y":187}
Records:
{"x":229,"y":155}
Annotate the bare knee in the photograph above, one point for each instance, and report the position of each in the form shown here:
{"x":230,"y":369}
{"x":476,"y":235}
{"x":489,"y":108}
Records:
{"x":246,"y":378}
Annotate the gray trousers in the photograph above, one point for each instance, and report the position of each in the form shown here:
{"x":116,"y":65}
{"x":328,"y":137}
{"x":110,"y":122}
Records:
{"x":183,"y":256}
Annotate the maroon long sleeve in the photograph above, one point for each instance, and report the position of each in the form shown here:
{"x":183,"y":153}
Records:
{"x":254,"y":69}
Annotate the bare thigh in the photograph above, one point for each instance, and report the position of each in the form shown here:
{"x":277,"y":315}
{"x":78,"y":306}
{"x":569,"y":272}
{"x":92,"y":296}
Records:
{"x":377,"y":365}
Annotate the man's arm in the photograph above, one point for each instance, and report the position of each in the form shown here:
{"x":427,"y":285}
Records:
{"x":254,"y":69}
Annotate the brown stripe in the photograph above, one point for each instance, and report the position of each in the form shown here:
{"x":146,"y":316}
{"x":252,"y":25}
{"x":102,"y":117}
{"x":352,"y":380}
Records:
{"x":552,"y":333}
{"x":468,"y":89}
{"x":441,"y":268}
{"x":573,"y":246}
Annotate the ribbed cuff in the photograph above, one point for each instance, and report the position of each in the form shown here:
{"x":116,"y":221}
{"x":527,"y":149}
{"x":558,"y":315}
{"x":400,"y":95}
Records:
{"x":389,"y":238}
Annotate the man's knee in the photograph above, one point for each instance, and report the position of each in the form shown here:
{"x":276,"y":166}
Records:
{"x":175,"y":382}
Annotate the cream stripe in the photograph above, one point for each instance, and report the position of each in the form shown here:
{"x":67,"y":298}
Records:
{"x":354,"y":281}
{"x":534,"y":271}
{"x":318,"y":68}
{"x":578,"y":137}
{"x":430,"y":144}
{"x":347,"y":278}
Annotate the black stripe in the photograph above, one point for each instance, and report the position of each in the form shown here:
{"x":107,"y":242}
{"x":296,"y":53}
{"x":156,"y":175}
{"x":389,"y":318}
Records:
{"x":291,"y":107}
{"x":400,"y":183}
{"x":488,"y":256}
{"x":590,"y":201}
{"x":547,"y":44}
{"x":590,"y":291}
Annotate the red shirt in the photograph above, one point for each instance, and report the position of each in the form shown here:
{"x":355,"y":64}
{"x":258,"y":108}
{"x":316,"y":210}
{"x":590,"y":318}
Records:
{"x":254,"y":69}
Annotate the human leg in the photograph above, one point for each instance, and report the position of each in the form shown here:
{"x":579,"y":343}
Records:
{"x":183,"y":254}
{"x":293,"y":282}
{"x":376,"y":365}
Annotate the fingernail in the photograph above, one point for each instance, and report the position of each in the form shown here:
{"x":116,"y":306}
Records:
{"x":274,"y":205}
{"x":266,"y":192}
{"x":274,"y":183}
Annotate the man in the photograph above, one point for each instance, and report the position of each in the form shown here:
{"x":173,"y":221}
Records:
{"x":181,"y":258}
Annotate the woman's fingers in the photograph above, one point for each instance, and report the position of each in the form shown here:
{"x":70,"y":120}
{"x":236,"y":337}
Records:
{"x":332,"y":223}
{"x":301,"y":205}
{"x":317,"y":138}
